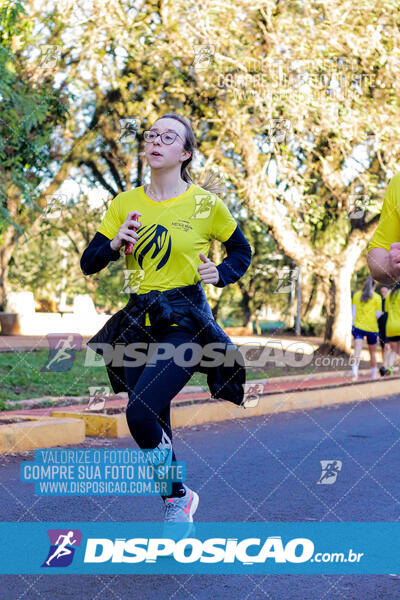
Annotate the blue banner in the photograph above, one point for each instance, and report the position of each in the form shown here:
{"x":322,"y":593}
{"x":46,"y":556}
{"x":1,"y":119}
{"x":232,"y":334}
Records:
{"x":210,"y":548}
{"x":73,"y":472}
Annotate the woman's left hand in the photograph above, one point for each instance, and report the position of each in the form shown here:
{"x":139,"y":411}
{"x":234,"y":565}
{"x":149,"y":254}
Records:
{"x":207,"y":270}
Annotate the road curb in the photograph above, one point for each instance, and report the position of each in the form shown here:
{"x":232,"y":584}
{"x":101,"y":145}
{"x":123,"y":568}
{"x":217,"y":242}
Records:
{"x":99,"y":425}
{"x":208,"y":411}
{"x":84,"y":400}
{"x":39,"y":432}
{"x":186,"y":391}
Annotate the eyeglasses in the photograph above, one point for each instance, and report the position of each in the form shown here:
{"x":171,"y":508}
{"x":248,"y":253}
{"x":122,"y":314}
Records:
{"x":168,"y":137}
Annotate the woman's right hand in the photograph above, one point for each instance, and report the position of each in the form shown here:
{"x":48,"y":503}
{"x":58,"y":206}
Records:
{"x":125,"y":233}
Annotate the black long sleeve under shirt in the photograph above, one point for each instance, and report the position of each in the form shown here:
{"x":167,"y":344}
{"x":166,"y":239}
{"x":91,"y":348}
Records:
{"x":99,"y":253}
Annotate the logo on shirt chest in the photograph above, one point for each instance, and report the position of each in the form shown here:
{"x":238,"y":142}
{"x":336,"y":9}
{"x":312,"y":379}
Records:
{"x":154,"y":242}
{"x":181,"y":225}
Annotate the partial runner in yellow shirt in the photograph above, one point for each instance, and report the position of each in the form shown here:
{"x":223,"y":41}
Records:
{"x":384,"y":248}
{"x":367,"y":308}
{"x":392,"y":307}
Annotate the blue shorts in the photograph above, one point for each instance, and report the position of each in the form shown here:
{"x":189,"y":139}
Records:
{"x":359,"y":334}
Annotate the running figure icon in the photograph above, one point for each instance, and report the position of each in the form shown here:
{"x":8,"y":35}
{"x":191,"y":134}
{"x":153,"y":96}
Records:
{"x":62,"y":348}
{"x":63,"y":345}
{"x":330,"y":471}
{"x":62,"y":550}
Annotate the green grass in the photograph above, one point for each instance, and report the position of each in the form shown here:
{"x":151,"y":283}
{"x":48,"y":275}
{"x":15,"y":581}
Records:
{"x":21,"y":376}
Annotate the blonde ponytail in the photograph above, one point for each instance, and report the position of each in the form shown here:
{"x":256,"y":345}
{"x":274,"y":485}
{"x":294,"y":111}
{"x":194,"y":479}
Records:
{"x":368,"y":290}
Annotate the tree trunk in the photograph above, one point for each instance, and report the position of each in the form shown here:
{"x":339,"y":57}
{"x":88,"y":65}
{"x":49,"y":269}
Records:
{"x":330,"y":310}
{"x":290,"y":319}
{"x":215,"y":307}
{"x":319,"y":301}
{"x":325,"y":263}
{"x":307,"y":289}
{"x":298,"y":310}
{"x":245,"y":306}
{"x":6,"y":251}
{"x":246,"y":312}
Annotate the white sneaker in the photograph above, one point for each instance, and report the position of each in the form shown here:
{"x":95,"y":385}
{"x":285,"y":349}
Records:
{"x":354,"y":373}
{"x":181,"y":510}
{"x":178,"y":515}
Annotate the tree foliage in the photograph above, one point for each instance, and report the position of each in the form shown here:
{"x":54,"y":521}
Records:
{"x":295,"y":105}
{"x":30,"y":109}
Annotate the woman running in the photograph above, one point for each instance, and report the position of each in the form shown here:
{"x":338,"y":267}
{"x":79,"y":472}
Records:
{"x":167,"y":306}
{"x":366,"y":310}
{"x":392,"y":305}
{"x":385,"y":348}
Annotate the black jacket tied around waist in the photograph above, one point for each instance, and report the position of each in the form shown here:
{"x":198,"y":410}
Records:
{"x":188,"y":307}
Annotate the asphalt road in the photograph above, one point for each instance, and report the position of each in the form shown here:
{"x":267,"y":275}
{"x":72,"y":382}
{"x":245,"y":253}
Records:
{"x":258,"y":469}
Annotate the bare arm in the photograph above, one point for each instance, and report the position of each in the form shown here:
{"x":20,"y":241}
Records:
{"x":384,"y":265}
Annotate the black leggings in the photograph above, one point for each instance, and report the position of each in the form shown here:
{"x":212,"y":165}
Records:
{"x":151,"y":389}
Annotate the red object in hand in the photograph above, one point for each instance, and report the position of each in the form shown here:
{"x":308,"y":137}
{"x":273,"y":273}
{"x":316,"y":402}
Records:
{"x":129,"y":245}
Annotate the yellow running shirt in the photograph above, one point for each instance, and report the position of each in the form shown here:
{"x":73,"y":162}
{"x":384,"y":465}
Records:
{"x":392,"y":307}
{"x":388,"y":230}
{"x":172,"y":235}
{"x":365,"y":311}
